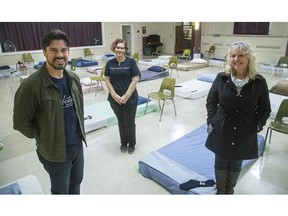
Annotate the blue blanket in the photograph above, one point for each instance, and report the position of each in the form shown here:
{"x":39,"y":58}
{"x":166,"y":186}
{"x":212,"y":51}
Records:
{"x":184,"y":159}
{"x":13,"y":188}
{"x":83,"y":63}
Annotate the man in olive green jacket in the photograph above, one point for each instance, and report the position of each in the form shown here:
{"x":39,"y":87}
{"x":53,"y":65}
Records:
{"x":48,"y":107}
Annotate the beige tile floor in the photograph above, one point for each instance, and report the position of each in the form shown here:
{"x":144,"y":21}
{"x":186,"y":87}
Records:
{"x":108,"y":171}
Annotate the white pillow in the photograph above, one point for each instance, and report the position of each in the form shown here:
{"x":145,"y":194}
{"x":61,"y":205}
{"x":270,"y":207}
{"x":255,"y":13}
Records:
{"x":87,"y":81}
{"x":199,"y":61}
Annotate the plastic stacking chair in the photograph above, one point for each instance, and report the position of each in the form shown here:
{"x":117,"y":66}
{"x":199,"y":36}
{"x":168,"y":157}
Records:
{"x":87,"y":53}
{"x":73,"y":64}
{"x":99,"y":80}
{"x":172,"y":65}
{"x":223,"y":63}
{"x":282,"y":64}
{"x":27,"y":58}
{"x":186,"y":54}
{"x":280,"y":123}
{"x":210,"y":52}
{"x":165,"y":92}
{"x":136,"y":57}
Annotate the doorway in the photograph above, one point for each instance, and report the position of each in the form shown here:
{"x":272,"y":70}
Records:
{"x":188,"y":37}
{"x":127,"y":35}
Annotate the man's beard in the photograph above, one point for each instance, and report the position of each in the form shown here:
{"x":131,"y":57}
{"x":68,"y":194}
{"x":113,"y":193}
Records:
{"x":56,"y":66}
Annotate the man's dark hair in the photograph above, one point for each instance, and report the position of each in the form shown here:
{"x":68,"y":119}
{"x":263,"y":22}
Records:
{"x":55,"y":34}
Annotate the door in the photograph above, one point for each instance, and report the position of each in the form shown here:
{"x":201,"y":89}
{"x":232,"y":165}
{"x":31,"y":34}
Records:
{"x":179,"y":39}
{"x":127,"y":32}
{"x":185,"y":38}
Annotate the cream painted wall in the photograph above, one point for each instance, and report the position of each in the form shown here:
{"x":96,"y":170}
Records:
{"x":268,"y":48}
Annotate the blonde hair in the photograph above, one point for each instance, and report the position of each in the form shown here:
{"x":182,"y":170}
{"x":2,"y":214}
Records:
{"x":247,"y":49}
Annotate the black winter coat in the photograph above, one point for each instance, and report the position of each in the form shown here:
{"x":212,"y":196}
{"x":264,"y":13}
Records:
{"x":236,"y":118}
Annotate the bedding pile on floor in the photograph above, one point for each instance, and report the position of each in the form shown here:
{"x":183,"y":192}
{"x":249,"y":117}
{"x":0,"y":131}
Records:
{"x":83,"y":63}
{"x":6,"y":72}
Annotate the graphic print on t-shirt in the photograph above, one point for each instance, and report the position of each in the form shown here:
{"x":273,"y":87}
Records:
{"x":67,"y":101}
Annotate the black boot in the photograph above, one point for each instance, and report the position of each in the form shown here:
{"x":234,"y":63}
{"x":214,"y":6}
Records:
{"x":232,"y":180}
{"x":221,"y":180}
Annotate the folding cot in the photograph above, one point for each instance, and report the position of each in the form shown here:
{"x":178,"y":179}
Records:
{"x":161,"y":60}
{"x":184,"y":159}
{"x":25,"y":185}
{"x":99,"y":115}
{"x":153,"y":72}
{"x":196,"y":63}
{"x":195,"y":88}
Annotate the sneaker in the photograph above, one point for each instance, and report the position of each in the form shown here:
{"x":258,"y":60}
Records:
{"x":131,"y":149}
{"x":123,"y":148}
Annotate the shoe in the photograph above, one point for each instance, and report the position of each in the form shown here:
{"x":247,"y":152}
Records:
{"x":131,"y":149}
{"x":123,"y":148}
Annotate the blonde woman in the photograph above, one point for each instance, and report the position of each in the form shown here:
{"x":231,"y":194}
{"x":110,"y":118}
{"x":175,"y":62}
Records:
{"x":238,"y":107}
